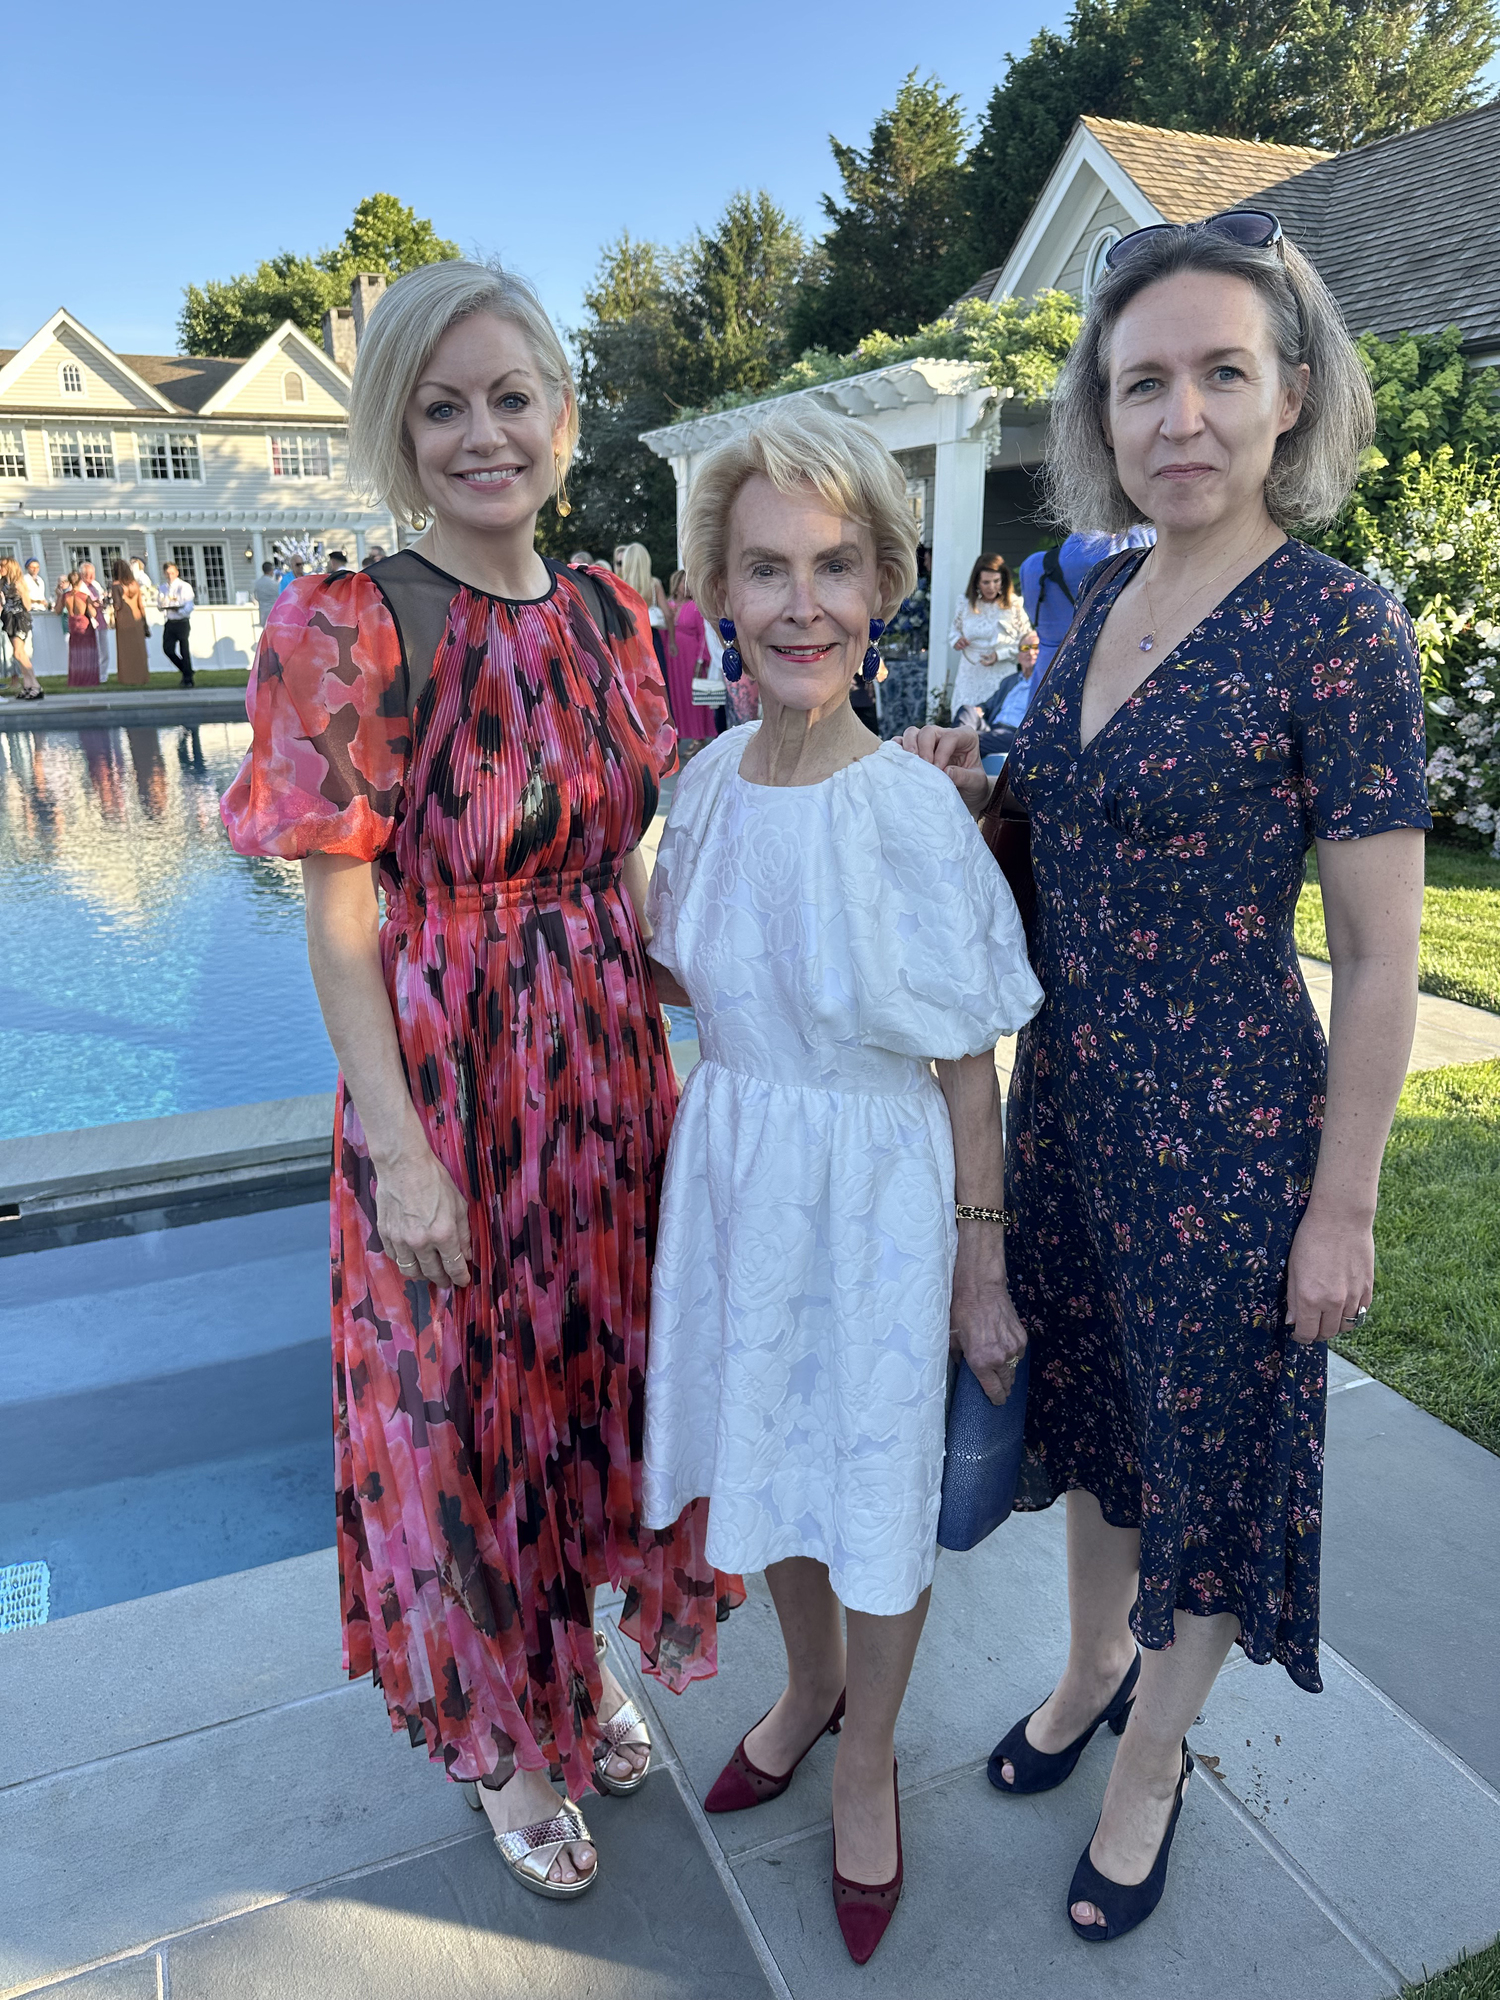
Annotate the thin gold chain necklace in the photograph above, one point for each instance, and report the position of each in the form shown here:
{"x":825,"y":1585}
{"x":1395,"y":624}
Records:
{"x":1148,"y":642}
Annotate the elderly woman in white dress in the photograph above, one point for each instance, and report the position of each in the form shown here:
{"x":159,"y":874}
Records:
{"x":989,"y":628}
{"x":827,"y":907}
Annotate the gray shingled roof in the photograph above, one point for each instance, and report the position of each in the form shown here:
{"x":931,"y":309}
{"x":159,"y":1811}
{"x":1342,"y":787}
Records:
{"x":1406,"y":231}
{"x":184,"y":379}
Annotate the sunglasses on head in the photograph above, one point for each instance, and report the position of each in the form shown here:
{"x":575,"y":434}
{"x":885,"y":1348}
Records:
{"x":1251,"y":228}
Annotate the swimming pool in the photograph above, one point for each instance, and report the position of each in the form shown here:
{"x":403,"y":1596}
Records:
{"x":146,"y":968}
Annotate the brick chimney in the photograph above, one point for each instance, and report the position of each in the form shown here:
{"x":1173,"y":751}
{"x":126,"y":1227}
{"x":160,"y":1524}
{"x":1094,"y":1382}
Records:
{"x":364,"y":295}
{"x":338,"y":336}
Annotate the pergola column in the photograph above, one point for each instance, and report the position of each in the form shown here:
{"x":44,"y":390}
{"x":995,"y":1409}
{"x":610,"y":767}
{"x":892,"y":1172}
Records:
{"x":957,"y":525}
{"x":258,"y":547}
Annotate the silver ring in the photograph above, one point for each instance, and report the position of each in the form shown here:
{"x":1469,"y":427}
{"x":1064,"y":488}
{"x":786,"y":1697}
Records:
{"x":1359,"y":1318}
{"x":404,"y":1267}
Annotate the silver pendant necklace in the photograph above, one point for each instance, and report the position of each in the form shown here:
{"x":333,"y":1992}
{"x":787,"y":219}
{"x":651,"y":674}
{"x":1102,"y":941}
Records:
{"x":1148,"y":641}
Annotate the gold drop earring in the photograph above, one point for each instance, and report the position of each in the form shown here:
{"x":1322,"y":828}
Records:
{"x":560,"y":487}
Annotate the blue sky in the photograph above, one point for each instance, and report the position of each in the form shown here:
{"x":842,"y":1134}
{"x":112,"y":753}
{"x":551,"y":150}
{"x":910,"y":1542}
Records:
{"x":537,"y":132}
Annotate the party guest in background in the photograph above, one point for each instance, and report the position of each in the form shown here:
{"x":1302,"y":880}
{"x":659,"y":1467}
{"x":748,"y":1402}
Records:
{"x":687,"y":654}
{"x":176,"y":600}
{"x":987,"y":631}
{"x":15,"y":622}
{"x":81,"y":612}
{"x":130,"y":626}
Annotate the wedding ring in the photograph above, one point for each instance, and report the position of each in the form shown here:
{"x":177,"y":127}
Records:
{"x":1359,"y":1318}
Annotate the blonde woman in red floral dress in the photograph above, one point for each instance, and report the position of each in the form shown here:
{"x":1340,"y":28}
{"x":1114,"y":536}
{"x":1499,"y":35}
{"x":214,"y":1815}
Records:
{"x":483,"y":733}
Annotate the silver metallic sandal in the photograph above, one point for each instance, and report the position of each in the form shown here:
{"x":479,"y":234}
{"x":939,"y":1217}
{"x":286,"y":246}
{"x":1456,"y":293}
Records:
{"x":626,"y":1719}
{"x":529,"y":1852}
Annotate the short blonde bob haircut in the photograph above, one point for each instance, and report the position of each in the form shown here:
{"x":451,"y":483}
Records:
{"x":396,"y":346}
{"x":798,"y":444}
{"x":1316,"y":462}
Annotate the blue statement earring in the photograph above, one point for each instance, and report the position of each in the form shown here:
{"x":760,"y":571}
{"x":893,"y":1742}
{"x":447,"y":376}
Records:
{"x":732,"y":664}
{"x":874,"y":668}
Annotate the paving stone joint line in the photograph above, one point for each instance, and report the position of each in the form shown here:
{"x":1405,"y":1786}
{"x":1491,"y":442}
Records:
{"x":1448,"y":1754}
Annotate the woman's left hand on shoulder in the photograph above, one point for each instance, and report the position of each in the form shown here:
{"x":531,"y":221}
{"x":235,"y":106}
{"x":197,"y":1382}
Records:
{"x":982,"y":1321}
{"x":1330,"y":1275}
{"x":955,"y":751}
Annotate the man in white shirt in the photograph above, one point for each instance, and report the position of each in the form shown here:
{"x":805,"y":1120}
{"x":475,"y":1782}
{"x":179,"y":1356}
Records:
{"x":176,"y":599}
{"x":37,"y":595}
{"x":266,"y":589}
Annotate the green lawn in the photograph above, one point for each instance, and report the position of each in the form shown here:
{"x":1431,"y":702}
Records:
{"x":205,"y":677}
{"x":1434,"y":1329}
{"x":1460,"y":955}
{"x":1476,"y":1978}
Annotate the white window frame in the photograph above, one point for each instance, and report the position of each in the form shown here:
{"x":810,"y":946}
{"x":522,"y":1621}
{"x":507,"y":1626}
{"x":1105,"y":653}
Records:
{"x":173,"y":442}
{"x":76,"y":443}
{"x":19,"y":435}
{"x":64,"y":387}
{"x":276,"y":441}
{"x":1093,"y":264}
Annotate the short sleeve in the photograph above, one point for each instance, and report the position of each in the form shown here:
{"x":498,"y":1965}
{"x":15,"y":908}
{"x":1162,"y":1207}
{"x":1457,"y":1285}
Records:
{"x":1358,"y":721}
{"x":938,"y":949}
{"x":330,"y":740}
{"x":629,"y":636}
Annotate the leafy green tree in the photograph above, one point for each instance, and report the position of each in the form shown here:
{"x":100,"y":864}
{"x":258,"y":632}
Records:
{"x":898,"y":249}
{"x":668,"y":330}
{"x":233,"y":316}
{"x":1330,"y":73}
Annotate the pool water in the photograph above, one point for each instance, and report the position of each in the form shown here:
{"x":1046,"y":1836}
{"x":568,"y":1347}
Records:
{"x":145,"y":967}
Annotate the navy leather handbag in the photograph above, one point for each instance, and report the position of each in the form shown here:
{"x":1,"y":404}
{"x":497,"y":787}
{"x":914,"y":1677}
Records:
{"x":982,"y":1461}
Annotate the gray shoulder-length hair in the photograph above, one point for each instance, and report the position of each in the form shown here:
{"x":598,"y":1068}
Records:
{"x":1316,"y":462}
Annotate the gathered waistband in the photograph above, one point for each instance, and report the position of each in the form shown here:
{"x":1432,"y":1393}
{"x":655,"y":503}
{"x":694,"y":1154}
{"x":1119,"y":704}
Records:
{"x":410,"y":904}
{"x":905,"y":1077}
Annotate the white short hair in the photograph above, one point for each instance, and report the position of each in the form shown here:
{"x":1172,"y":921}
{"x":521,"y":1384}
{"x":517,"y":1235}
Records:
{"x":798,"y":444}
{"x":407,"y":324}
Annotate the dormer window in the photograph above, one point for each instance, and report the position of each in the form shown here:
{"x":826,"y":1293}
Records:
{"x":70,"y":378}
{"x":1093,"y":269}
{"x":293,"y":390}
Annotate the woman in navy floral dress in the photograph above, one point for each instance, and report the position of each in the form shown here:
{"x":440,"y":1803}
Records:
{"x":1191,"y":1172}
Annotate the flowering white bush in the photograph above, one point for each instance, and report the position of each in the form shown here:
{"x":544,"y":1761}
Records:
{"x":1437,"y":548}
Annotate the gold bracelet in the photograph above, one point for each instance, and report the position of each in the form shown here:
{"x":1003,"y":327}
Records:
{"x":966,"y":1212}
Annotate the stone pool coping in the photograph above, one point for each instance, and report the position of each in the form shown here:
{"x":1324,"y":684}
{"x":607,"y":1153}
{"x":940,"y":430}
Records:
{"x":111,"y":708}
{"x":57,"y":1180}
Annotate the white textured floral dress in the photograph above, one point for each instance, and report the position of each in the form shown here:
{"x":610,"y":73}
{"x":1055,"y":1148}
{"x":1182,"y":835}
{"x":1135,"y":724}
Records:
{"x":833,"y":938}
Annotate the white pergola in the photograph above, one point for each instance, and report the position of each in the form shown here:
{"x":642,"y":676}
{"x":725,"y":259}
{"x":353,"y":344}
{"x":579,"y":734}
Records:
{"x":940,"y":419}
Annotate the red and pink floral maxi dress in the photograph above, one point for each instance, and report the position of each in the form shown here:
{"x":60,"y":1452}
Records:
{"x":489,"y":1437}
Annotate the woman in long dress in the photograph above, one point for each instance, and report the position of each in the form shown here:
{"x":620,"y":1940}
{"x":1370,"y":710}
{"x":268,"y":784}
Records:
{"x":986,"y":634}
{"x":687,"y":654}
{"x":482,"y":735}
{"x":80,"y":613}
{"x":827,"y":907}
{"x":130,"y":626}
{"x":1191,"y":1171}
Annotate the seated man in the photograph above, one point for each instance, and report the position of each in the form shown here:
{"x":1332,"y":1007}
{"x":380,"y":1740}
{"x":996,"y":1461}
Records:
{"x":1005,"y":711}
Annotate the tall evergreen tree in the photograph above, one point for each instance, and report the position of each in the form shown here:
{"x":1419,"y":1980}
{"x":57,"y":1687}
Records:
{"x":898,"y":248}
{"x":1330,"y":73}
{"x":668,"y":330}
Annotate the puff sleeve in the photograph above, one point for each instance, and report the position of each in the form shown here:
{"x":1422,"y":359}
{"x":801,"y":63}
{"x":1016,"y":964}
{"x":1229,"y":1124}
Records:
{"x":1357,"y":718}
{"x":934,"y":936}
{"x":330,"y":743}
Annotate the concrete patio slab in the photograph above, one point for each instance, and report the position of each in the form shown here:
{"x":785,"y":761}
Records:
{"x":658,"y":1926}
{"x":167,"y":1666}
{"x":1409,"y":1595}
{"x":1403,"y":1841}
{"x":128,"y":1849}
{"x":140,"y":1978}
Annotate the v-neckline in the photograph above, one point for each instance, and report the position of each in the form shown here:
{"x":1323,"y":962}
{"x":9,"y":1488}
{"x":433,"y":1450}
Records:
{"x":1166,"y":658}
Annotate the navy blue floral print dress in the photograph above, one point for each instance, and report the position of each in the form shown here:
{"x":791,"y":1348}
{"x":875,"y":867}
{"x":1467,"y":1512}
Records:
{"x":1166,"y":1103}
